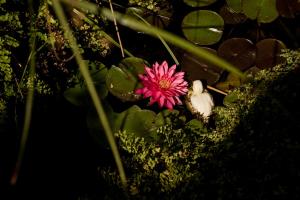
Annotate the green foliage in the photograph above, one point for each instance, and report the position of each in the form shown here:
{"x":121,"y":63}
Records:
{"x":153,"y":5}
{"x":189,"y":160}
{"x":158,"y":167}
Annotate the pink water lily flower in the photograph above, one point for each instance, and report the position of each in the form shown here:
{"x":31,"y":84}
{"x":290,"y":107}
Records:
{"x":163,"y":85}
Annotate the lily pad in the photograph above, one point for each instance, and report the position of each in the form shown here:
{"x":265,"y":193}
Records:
{"x":268,"y":53}
{"x":199,"y":3}
{"x":123,"y":80}
{"x":203,"y":27}
{"x":134,"y":120}
{"x":199,"y":69}
{"x":241,"y":52}
{"x":264,"y":11}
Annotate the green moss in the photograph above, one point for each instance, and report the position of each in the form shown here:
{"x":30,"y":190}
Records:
{"x":228,"y":161}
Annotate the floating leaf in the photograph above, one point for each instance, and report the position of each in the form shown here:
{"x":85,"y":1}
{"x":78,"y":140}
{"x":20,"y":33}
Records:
{"x":230,"y":16}
{"x":268,"y":53}
{"x":123,"y":80}
{"x":199,"y":69}
{"x":264,"y":11}
{"x":135,"y":121}
{"x":240,"y":52}
{"x":203,"y":27}
{"x":199,"y":3}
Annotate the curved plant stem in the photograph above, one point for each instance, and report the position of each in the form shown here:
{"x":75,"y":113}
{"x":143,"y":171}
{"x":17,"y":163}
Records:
{"x":28,"y":105}
{"x":116,"y":28}
{"x":91,"y":88}
{"x":161,"y":39}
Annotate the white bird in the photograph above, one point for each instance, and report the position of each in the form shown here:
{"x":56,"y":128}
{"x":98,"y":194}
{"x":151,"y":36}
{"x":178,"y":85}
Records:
{"x":200,"y":102}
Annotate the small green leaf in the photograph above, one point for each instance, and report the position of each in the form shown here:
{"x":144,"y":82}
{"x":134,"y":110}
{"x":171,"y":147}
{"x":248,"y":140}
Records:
{"x":264,"y":11}
{"x":123,"y":80}
{"x":203,"y":27}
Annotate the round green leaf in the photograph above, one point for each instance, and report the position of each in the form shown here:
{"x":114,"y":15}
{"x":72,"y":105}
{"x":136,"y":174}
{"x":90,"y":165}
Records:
{"x":203,"y":27}
{"x":199,"y":3}
{"x":264,"y":11}
{"x":133,"y":64}
{"x":123,"y":80}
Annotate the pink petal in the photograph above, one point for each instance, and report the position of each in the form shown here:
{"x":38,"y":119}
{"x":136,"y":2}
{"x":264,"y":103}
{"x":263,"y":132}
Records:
{"x":155,"y":67}
{"x":171,"y":71}
{"x":149,"y":72}
{"x":165,"y":67}
{"x":161,"y":101}
{"x":147,"y":94}
{"x":139,"y":91}
{"x":179,"y":75}
{"x":152,"y":101}
{"x":176,"y":82}
{"x":169,"y":105}
{"x":178,"y":101}
{"x":156,"y":95}
{"x":171,"y":100}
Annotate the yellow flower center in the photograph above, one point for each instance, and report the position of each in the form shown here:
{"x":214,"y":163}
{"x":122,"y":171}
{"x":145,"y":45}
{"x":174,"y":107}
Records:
{"x":164,"y":84}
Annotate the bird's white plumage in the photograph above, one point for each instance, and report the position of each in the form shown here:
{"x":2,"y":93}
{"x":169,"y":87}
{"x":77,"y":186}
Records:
{"x":201,"y":100}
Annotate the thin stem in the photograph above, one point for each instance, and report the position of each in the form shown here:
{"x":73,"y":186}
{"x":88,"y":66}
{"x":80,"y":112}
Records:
{"x":28,"y":107}
{"x":116,"y":27}
{"x":91,"y":88}
{"x":161,"y":39}
{"x":216,"y":90}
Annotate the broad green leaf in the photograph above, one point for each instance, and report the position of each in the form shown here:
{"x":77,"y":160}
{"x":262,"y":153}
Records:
{"x":203,"y":27}
{"x":199,"y":3}
{"x":264,"y":11}
{"x":135,"y":121}
{"x":123,"y":80}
